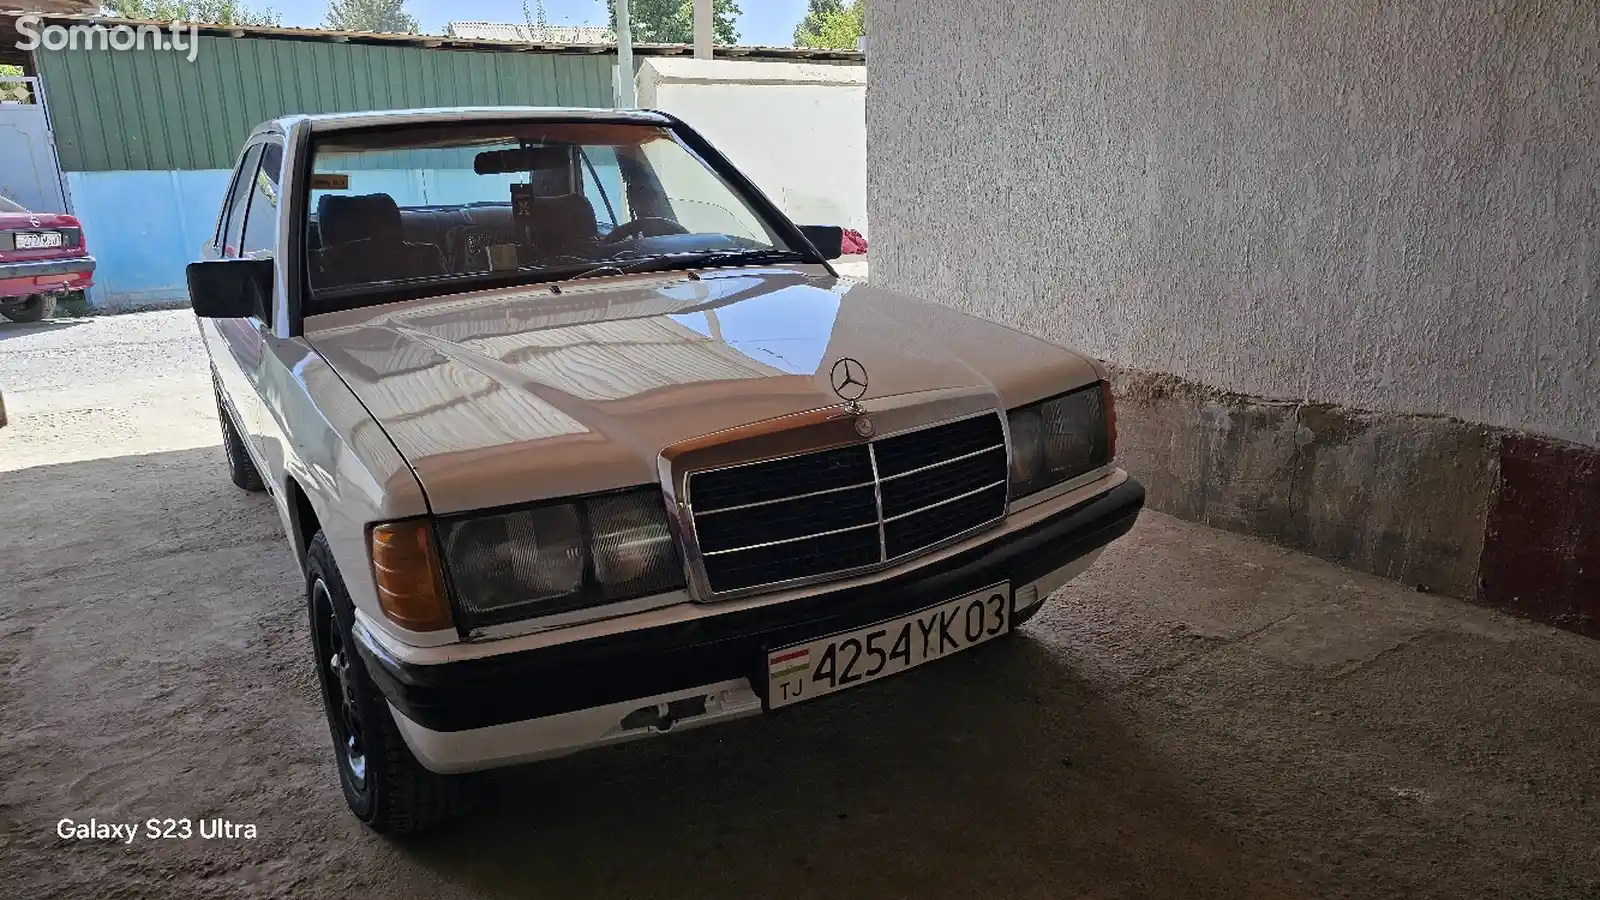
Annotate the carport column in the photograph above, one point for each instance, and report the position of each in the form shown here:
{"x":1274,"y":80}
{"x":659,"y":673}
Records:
{"x":626,"y":99}
{"x":702,"y":29}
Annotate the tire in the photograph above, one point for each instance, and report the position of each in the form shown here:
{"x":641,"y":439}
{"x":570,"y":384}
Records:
{"x":36,"y":308}
{"x":383,"y":783}
{"x":240,"y":467}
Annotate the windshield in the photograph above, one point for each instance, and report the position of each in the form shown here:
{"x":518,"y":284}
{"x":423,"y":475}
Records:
{"x":449,"y":205}
{"x":7,"y":206}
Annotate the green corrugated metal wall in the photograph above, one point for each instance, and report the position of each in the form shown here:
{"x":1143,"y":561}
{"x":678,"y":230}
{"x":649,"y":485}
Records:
{"x":144,"y":109}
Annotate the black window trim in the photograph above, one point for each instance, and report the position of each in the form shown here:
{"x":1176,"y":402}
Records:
{"x":220,"y":239}
{"x":264,"y":318}
{"x":227,"y":200}
{"x":244,"y":227}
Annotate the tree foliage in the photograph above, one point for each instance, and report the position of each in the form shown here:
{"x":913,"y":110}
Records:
{"x":832,"y":24}
{"x":10,"y":70}
{"x":535,"y":15}
{"x":672,"y":21}
{"x":209,"y":12}
{"x":382,"y":16}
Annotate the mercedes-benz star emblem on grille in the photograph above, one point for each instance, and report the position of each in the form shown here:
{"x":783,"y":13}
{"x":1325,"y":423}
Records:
{"x":849,"y":379}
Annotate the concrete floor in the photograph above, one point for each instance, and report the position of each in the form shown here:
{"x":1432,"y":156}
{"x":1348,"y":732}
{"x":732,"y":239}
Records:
{"x":1201,"y":715}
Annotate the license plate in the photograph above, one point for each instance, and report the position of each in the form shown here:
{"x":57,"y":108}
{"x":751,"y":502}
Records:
{"x":805,"y":671}
{"x":38,"y":240}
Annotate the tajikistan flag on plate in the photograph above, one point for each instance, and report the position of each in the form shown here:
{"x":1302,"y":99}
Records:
{"x":791,"y":662}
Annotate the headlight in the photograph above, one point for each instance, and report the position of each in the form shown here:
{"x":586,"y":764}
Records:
{"x":632,"y":546}
{"x":1059,"y":439}
{"x":560,"y":557}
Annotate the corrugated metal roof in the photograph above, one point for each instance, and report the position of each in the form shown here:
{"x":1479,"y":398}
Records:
{"x":530,"y":34}
{"x":79,"y":7}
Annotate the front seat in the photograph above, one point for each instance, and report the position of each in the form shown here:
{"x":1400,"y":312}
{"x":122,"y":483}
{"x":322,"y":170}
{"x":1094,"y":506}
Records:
{"x":559,"y":221}
{"x":362,"y":243}
{"x":561,"y":225}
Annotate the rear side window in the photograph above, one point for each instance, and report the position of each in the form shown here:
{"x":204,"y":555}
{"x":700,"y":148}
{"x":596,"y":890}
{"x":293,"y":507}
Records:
{"x":261,"y":221}
{"x":233,"y":225}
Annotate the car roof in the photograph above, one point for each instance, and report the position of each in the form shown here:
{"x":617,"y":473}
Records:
{"x":350,"y":121}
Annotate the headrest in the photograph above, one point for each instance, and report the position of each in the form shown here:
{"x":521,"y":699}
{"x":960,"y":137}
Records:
{"x":562,"y":217}
{"x":344,"y":219}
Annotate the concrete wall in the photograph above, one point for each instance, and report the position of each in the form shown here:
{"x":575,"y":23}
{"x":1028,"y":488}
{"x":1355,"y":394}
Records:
{"x":1340,"y":255}
{"x":1385,"y":205}
{"x":797,"y":129}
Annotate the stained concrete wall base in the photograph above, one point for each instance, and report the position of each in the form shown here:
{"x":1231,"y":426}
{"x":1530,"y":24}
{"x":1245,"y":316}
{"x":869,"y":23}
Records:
{"x":1424,"y":500}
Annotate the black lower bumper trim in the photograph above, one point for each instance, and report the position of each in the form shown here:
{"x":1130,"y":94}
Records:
{"x":582,"y":674}
{"x":72,"y":265}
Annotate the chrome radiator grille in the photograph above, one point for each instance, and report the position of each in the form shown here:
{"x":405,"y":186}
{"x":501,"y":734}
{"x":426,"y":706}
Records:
{"x":850,"y":508}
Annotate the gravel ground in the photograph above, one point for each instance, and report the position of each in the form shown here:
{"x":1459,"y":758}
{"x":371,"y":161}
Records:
{"x":1201,"y":715}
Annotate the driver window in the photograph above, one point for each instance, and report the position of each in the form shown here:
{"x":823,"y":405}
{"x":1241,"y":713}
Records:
{"x":697,"y":196}
{"x":602,"y":185}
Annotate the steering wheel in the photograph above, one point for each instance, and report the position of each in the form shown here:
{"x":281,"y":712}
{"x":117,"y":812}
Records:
{"x":645,"y":226}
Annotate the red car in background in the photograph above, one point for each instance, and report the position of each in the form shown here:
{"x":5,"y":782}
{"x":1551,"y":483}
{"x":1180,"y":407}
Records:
{"x":42,"y":257}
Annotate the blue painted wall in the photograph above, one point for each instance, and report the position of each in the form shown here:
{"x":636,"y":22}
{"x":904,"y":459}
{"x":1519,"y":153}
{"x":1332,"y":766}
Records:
{"x":143,"y":228}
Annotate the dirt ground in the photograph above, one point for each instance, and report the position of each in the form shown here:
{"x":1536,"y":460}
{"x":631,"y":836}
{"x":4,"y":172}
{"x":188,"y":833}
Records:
{"x":1201,"y":715}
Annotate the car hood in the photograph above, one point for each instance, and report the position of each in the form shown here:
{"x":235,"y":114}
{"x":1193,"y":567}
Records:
{"x":503,"y":397}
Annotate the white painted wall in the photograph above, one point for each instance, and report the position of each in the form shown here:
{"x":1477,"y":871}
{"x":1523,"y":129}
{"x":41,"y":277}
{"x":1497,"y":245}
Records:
{"x":799,"y":130}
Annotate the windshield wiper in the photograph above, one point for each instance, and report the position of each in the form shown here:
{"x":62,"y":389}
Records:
{"x":611,"y":268}
{"x":696,"y":260}
{"x":748,"y":257}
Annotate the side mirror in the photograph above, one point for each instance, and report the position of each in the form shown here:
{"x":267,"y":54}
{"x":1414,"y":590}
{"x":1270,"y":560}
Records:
{"x":828,"y":239}
{"x":230,"y":288}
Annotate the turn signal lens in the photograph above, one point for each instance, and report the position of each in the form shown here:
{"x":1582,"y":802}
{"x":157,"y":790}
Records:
{"x":405,"y":566}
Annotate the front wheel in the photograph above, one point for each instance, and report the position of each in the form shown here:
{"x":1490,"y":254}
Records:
{"x":241,"y":469}
{"x":383,"y":783}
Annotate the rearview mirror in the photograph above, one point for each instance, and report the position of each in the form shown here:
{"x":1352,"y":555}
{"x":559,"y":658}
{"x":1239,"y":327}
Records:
{"x":543,"y":158}
{"x":828,"y":239}
{"x":230,"y":288}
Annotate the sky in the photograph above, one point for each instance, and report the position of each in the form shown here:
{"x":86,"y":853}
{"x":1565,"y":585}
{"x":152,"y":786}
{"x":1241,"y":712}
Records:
{"x":764,"y":22}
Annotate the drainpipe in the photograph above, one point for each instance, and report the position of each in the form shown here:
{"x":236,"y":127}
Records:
{"x":626,"y":99}
{"x":702,"y":29}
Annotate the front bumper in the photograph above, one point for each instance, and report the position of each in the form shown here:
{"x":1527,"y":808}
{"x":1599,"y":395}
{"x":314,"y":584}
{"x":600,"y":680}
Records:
{"x":518,"y":706}
{"x":35,"y":276}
